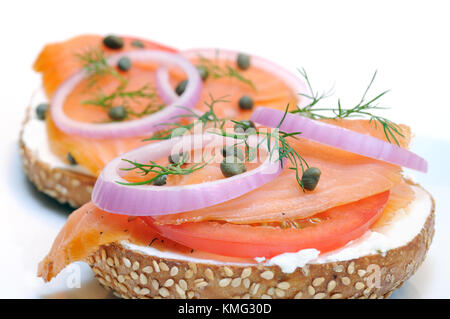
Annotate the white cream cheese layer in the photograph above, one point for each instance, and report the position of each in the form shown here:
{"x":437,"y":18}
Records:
{"x":406,"y":225}
{"x":35,"y":137}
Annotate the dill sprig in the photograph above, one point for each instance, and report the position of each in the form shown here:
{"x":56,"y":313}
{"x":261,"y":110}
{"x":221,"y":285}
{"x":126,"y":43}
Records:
{"x":217,"y":72}
{"x":363,"y":109}
{"x":207,"y":117}
{"x":122,"y":97}
{"x":96,"y":66}
{"x":160,"y":170}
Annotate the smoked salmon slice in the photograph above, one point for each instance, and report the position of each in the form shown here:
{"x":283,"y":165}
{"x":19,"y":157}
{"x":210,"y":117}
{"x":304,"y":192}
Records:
{"x":58,"y":61}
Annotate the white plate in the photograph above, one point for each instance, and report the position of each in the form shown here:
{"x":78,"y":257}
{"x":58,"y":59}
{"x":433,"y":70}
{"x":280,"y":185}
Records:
{"x":33,"y":220}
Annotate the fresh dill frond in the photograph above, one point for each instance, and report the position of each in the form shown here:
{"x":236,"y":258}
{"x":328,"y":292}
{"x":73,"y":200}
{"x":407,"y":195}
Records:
{"x":217,"y":72}
{"x":95,"y":64}
{"x":160,"y":170}
{"x":363,"y":109}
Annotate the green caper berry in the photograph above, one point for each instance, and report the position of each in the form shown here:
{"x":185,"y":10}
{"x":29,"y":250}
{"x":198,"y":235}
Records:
{"x":203,"y":71}
{"x":243,"y":61}
{"x":181,"y":87}
{"x":232,"y":166}
{"x":41,"y":110}
{"x":310,"y":178}
{"x":113,"y":42}
{"x":178,"y":158}
{"x":244,"y":126}
{"x":232,"y":150}
{"x":137,"y":44}
{"x":246,"y":103}
{"x":117,"y":113}
{"x":124,"y":63}
{"x":71,"y":160}
{"x":160,"y":180}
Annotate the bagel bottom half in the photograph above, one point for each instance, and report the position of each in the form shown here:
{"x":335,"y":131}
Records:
{"x":130,"y":274}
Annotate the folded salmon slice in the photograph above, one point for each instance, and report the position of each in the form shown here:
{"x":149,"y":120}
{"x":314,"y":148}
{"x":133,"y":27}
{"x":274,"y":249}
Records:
{"x":346,"y":177}
{"x":89,"y":227}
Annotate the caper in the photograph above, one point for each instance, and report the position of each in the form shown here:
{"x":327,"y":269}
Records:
{"x":117,"y":113}
{"x":113,"y":42}
{"x":246,"y":103}
{"x":232,"y":150}
{"x":203,"y":71}
{"x":71,"y":160}
{"x":160,"y":180}
{"x":124,"y":63}
{"x":310,"y":178}
{"x":243,"y":61}
{"x":244,"y":126}
{"x":181,"y":87}
{"x":41,"y":110}
{"x":232,"y":166}
{"x":178,"y":158}
{"x":137,"y":44}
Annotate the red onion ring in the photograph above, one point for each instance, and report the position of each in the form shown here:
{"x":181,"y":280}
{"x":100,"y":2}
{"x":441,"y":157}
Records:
{"x":137,"y":127}
{"x":149,"y":200}
{"x":293,"y":81}
{"x":339,"y":137}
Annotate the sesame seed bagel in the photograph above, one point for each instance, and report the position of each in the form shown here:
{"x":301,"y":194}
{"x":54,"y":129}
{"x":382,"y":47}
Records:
{"x":64,"y":185}
{"x":130,"y":274}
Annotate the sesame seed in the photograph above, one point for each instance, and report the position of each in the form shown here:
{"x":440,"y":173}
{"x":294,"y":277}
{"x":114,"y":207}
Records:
{"x":318,"y":281}
{"x":143,"y":279}
{"x":367,"y":291}
{"x":339,"y":268}
{"x":169,"y":283}
{"x":156,"y":266}
{"x":114,"y":272}
{"x":126,"y":262}
{"x":190,"y":294}
{"x":267,"y":275}
{"x":331,"y":285}
{"x":123,"y":288}
{"x":319,"y":295}
{"x":180,"y":291}
{"x":193,"y":266}
{"x":298,"y":295}
{"x":311,"y":290}
{"x":164,"y":292}
{"x":246,"y":283}
{"x":246,"y":272}
{"x":255,"y":288}
{"x":135,"y":265}
{"x":209,"y":274}
{"x":373,"y":296}
{"x":201,"y":284}
{"x":137,"y":290}
{"x":75,"y":182}
{"x":102,"y":281}
{"x":351,"y":268}
{"x":246,"y":296}
{"x":174,"y":271}
{"x":336,"y":296}
{"x":279,"y":292}
{"x":116,"y":261}
{"x":346,"y":281}
{"x":103,"y":255}
{"x":134,"y":275}
{"x":361,"y":273}
{"x":271,"y":291}
{"x":183,"y":284}
{"x":163,"y":266}
{"x":189,"y":274}
{"x":359,"y":285}
{"x":121,"y":279}
{"x":147,"y":269}
{"x":236,"y":282}
{"x":108,"y":278}
{"x":265,"y":297}
{"x":224,"y":282}
{"x":97,"y":271}
{"x":155,"y":284}
{"x":228,"y":271}
{"x":284,"y":285}
{"x":144,"y":291}
{"x":110,"y":261}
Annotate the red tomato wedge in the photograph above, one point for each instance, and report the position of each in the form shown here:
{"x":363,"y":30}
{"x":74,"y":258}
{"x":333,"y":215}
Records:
{"x":338,"y":226}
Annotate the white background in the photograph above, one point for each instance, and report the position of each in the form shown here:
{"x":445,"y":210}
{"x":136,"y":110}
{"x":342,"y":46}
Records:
{"x":338,"y":42}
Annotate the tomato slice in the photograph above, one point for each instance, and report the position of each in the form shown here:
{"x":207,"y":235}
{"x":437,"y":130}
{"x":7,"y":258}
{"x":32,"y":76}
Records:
{"x":337,"y":227}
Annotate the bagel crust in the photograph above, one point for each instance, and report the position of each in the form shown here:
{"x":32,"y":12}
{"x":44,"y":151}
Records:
{"x":64,"y":185}
{"x":130,"y":274}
